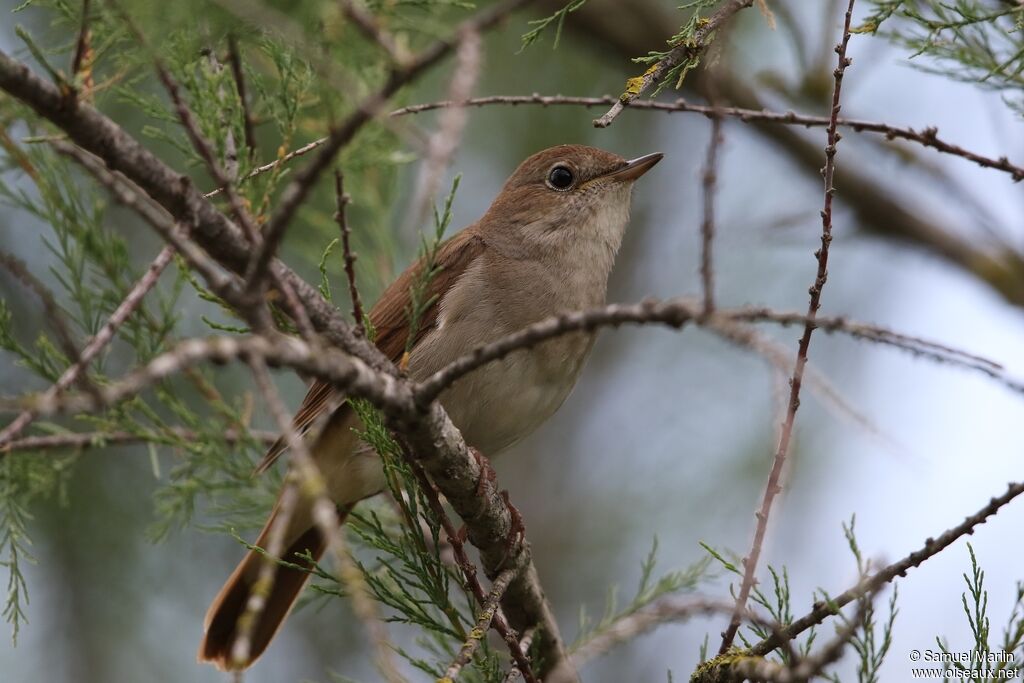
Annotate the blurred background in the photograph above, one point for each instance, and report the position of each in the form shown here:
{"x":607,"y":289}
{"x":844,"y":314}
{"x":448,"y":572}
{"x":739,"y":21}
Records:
{"x":667,"y":435}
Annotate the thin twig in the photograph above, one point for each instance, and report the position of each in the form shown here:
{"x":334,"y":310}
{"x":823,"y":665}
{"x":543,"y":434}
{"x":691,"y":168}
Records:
{"x":483,"y":624}
{"x":927,"y":136}
{"x":773,"y":486}
{"x":127,"y":306}
{"x":348,"y":373}
{"x":686,"y":51}
{"x":669,"y":609}
{"x":468,"y":570}
{"x":779,"y":356}
{"x":305,"y":149}
{"x":81,"y":63}
{"x":932,"y":546}
{"x":54,"y":315}
{"x":801,"y":670}
{"x":390,"y":394}
{"x":682,"y":310}
{"x":707,"y":225}
{"x":83,"y":440}
{"x":249,"y":127}
{"x":515,"y":674}
{"x":342,"y":200}
{"x":370,"y":27}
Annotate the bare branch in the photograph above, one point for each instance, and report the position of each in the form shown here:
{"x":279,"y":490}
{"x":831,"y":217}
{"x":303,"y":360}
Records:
{"x":682,"y":310}
{"x":235,"y":60}
{"x":83,"y":440}
{"x":305,"y":149}
{"x":773,"y":486}
{"x":342,"y":201}
{"x":674,"y":313}
{"x":779,"y":356}
{"x":524,"y":644}
{"x":707,"y":226}
{"x":927,"y":137}
{"x":669,"y":609}
{"x":800,"y":670}
{"x":349,"y":374}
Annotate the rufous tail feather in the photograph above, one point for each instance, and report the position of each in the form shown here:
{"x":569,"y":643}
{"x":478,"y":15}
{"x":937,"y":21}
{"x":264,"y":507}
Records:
{"x":221,"y":627}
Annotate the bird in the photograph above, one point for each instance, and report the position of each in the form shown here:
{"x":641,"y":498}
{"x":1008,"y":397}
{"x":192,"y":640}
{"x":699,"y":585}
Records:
{"x":545,"y":246}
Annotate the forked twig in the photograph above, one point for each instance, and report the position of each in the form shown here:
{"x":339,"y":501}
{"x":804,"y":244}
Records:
{"x":469,"y":573}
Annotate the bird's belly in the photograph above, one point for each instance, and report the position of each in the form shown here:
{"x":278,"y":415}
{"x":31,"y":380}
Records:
{"x":504,"y":401}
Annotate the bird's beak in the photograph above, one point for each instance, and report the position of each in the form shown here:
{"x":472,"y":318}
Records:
{"x":635,"y":167}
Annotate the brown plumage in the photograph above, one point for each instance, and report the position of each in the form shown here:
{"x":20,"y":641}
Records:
{"x":389,"y":318}
{"x":541,"y":249}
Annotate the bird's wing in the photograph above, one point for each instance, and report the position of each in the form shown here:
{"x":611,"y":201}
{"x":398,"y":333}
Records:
{"x":390,"y":320}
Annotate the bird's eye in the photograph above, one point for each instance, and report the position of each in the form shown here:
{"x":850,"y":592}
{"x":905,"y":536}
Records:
{"x":560,"y":178}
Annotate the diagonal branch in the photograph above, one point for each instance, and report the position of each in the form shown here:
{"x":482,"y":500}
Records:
{"x":371,"y":28}
{"x":932,"y":546}
{"x":488,"y":612}
{"x":95,"y":346}
{"x":773,"y":487}
{"x":238,"y":73}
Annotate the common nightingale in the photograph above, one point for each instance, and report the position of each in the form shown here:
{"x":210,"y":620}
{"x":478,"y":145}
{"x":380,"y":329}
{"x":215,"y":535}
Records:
{"x":545,"y":246}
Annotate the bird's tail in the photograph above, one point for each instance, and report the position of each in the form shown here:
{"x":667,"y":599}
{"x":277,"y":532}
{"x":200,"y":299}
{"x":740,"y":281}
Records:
{"x":350,"y":474}
{"x":223,"y":620}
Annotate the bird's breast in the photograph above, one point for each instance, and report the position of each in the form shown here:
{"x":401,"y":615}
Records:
{"x":502,"y":402}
